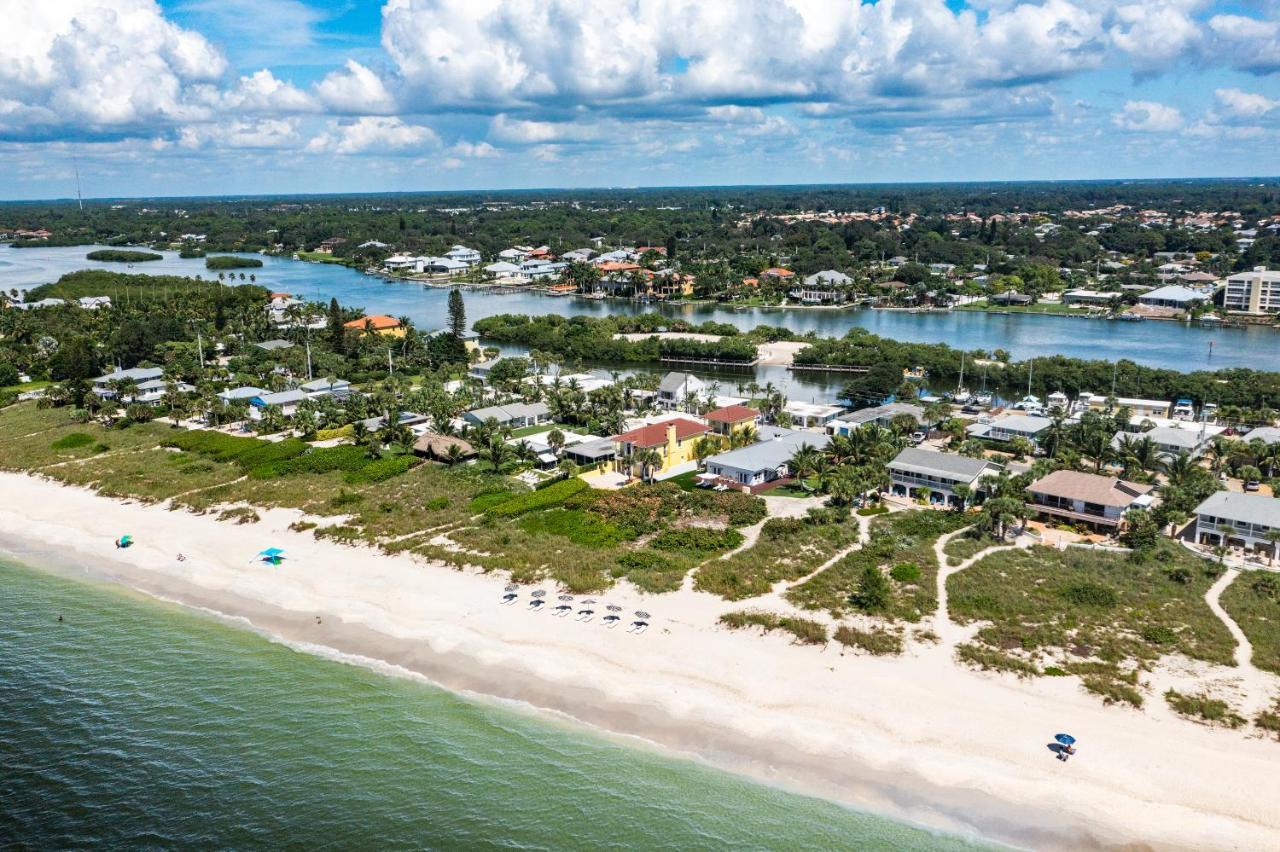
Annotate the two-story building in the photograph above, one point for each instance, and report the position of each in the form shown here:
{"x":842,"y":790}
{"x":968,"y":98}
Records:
{"x":732,"y":418}
{"x":1029,"y":426}
{"x":676,"y":388}
{"x":1076,"y":497}
{"x":1244,"y":520}
{"x":915,"y":469}
{"x":673,"y":440}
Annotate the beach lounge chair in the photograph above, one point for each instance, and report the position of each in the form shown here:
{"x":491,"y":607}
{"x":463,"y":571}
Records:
{"x":585,"y":614}
{"x":611,"y":620}
{"x":638,"y":627}
{"x":562,"y":610}
{"x":537,"y":605}
{"x":509,"y":598}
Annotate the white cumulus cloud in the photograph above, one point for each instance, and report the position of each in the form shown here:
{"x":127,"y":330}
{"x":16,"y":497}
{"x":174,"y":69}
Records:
{"x":355,"y":89}
{"x":373,"y":134}
{"x":1148,"y":117}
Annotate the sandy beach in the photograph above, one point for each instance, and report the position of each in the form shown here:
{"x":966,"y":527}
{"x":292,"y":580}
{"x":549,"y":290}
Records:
{"x":918,"y":737}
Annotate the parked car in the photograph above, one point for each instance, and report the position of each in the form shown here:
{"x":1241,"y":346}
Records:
{"x":1251,"y":485}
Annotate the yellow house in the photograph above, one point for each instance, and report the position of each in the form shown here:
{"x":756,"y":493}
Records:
{"x":732,"y":419}
{"x":673,"y":440}
{"x":379,"y":323}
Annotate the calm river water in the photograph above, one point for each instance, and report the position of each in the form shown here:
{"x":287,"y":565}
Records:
{"x":1159,"y":344}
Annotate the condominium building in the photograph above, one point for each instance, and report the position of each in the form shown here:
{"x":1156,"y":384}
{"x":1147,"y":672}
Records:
{"x":1254,"y":292}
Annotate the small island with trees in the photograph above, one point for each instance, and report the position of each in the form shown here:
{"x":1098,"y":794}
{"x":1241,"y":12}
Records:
{"x":228,"y":261}
{"x":123,"y":256}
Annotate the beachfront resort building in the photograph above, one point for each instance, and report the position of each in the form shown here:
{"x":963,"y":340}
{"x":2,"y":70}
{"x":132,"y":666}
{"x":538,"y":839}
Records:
{"x":1100,"y":501}
{"x":914,"y":470}
{"x":732,"y":418}
{"x":761,"y":463}
{"x":673,"y":440}
{"x":1244,"y":519}
{"x":462,"y":254}
{"x":1253,"y":292}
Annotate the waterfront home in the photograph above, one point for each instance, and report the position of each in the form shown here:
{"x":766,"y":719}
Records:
{"x":1009,"y":298}
{"x":676,"y":389}
{"x":1139,"y":425}
{"x":1253,"y":292}
{"x":582,"y":255}
{"x":514,"y":414}
{"x":102,"y":385}
{"x":1172,"y":296}
{"x":1100,"y":501}
{"x":778,"y":273}
{"x":732,"y":418}
{"x":379,"y":324}
{"x":596,"y":451}
{"x":537,"y":269}
{"x":287,"y":401}
{"x":1249,"y":516}
{"x":400,"y":263}
{"x":915,"y":469}
{"x":826,"y":287}
{"x":673,"y":440}
{"x":517,"y":254}
{"x":1088,"y":297}
{"x":1170,"y":441}
{"x":767,"y":461}
{"x":442,"y":266}
{"x":339,"y":389}
{"x":812,"y":415}
{"x":481,"y":369}
{"x":503,"y":269}
{"x":881,"y":415}
{"x":462,"y":254}
{"x":1151,"y":408}
{"x":1010,"y":426}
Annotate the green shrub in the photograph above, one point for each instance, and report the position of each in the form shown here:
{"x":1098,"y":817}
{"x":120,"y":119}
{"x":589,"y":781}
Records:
{"x":1112,"y":690}
{"x":989,"y":659}
{"x":346,"y":458}
{"x":651,"y":571}
{"x":877,"y":641}
{"x":805,"y":631}
{"x":697,"y":541}
{"x":435,"y":504}
{"x":269,"y":452}
{"x":339,"y":533}
{"x":72,"y":441}
{"x":906,"y":572}
{"x":488,"y":499}
{"x":1089,"y":594}
{"x":1158,"y":634}
{"x":345,"y":498}
{"x":380,"y":470}
{"x":217,"y":445}
{"x":577,"y":526}
{"x":544,"y":499}
{"x":240,"y":515}
{"x":346,"y":431}
{"x":1202,"y":707}
{"x":1056,"y":671}
{"x":877,"y":509}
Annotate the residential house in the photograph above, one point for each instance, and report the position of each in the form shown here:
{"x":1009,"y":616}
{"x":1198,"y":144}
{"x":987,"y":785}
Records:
{"x":732,"y":418}
{"x":1088,"y":297}
{"x":1249,"y":516}
{"x":437,"y":447}
{"x":764,"y":462}
{"x":592,"y":452}
{"x":246,"y":393}
{"x":1253,"y":292}
{"x":469,"y":256}
{"x":400,"y":263}
{"x":518,"y":254}
{"x":1266,"y":434}
{"x":1009,"y":298}
{"x":379,"y":323}
{"x":1012,"y":426}
{"x":676,"y":388}
{"x":915,"y":469}
{"x":480,"y":370}
{"x":102,"y":385}
{"x":503,"y":269}
{"x":826,"y":287}
{"x":537,"y":269}
{"x":92,"y":303}
{"x":339,"y":389}
{"x":1170,"y":441}
{"x":778,"y":273}
{"x":672,"y":439}
{"x":287,"y":401}
{"x":881,"y":415}
{"x":812,"y":415}
{"x":515,"y":415}
{"x":1152,"y":408}
{"x":1172,"y":296}
{"x":1100,"y":501}
{"x":273,"y":345}
{"x":442,"y":266}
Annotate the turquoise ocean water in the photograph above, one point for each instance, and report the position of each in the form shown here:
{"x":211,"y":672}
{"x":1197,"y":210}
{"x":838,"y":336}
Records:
{"x":136,"y":724}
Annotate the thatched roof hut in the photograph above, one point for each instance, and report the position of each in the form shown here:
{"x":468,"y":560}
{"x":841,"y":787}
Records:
{"x":434,"y":446}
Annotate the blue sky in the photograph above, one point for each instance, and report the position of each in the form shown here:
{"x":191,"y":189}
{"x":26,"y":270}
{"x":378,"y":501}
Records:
{"x":264,"y":96}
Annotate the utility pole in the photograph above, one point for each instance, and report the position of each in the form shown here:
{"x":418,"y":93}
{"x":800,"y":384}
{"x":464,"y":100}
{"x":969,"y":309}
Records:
{"x":309,"y":354}
{"x":79,"y":198}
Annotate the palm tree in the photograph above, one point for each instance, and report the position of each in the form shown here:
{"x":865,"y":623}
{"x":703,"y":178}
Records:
{"x":650,"y":462}
{"x":803,"y":463}
{"x":1226,"y":532}
{"x":1273,"y":538}
{"x":1179,"y":469}
{"x":453,"y":455}
{"x":497,"y":452}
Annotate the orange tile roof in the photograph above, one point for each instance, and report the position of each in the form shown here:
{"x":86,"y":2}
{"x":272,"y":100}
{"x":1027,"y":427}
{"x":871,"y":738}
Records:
{"x":381,"y":322}
{"x":618,"y":266}
{"x":733,"y":414}
{"x":779,"y":272}
{"x":655,"y":434}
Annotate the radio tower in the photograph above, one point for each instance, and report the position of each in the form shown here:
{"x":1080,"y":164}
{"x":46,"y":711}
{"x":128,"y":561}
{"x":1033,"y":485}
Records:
{"x":79,"y":198}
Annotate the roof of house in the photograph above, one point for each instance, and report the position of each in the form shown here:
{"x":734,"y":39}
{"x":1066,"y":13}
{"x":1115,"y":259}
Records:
{"x":1267,"y":434}
{"x":1246,"y":508}
{"x":1172,"y":293}
{"x":778,"y":272}
{"x":281,"y":398}
{"x":437,"y":446}
{"x":890,"y":410}
{"x":138,"y":374}
{"x":1187,"y":439}
{"x":655,"y":434}
{"x":510,"y":411}
{"x":1022,"y":423}
{"x":673,"y":382}
{"x":770,"y":454}
{"x":916,"y":460}
{"x":272,"y":345}
{"x":597,"y":449}
{"x":1089,"y":488}
{"x":246,"y":392}
{"x":732,"y":414}
{"x":381,"y":322}
{"x":827,"y":276}
{"x":319,"y":385}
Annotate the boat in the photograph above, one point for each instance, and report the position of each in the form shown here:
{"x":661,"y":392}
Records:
{"x":961,"y":394}
{"x":1129,"y":317}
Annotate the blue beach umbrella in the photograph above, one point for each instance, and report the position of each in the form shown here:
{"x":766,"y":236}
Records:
{"x":1065,"y":739}
{"x":272,"y":553}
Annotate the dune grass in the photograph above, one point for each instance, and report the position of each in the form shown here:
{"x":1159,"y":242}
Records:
{"x":1253,"y":601}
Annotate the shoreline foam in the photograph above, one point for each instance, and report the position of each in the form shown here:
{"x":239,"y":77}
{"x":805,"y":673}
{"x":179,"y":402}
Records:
{"x":917,"y":739}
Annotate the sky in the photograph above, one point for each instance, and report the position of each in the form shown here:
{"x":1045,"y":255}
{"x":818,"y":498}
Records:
{"x":227,"y":97}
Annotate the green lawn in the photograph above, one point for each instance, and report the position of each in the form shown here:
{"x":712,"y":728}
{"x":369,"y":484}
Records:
{"x":23,"y":387}
{"x":526,"y":431}
{"x":1037,"y":308}
{"x":688,"y":481}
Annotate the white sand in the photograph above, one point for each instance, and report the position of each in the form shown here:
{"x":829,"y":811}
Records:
{"x":917,"y":737}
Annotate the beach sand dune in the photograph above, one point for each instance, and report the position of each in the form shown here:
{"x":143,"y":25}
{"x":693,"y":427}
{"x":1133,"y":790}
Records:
{"x":917,"y":737}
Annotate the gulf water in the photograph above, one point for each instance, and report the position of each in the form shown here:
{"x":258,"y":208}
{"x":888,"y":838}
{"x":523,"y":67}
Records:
{"x":133,"y":723}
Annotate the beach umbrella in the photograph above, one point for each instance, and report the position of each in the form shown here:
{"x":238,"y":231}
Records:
{"x":641,"y":614}
{"x":566,"y":597}
{"x":588,"y":601}
{"x":538,"y":593}
{"x":272,"y":553}
{"x":614,"y":608}
{"x":126,"y":539}
{"x":1065,"y":739}
{"x":511,"y":587}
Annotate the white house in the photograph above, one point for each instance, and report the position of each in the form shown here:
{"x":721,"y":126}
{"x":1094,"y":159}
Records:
{"x":1012,"y":426}
{"x":286,"y":401}
{"x":339,"y":389}
{"x":914,"y":469}
{"x":469,"y":256}
{"x":102,"y":384}
{"x":675,"y":388}
{"x":515,"y":415}
{"x":1170,"y":441}
{"x":1251,"y":516}
{"x":1172,"y":296}
{"x":757,"y":464}
{"x":881,"y":415}
{"x":810,"y":415}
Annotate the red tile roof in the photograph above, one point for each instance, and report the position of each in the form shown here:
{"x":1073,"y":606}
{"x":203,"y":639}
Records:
{"x":733,"y":414}
{"x":655,"y":434}
{"x":380,"y":322}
